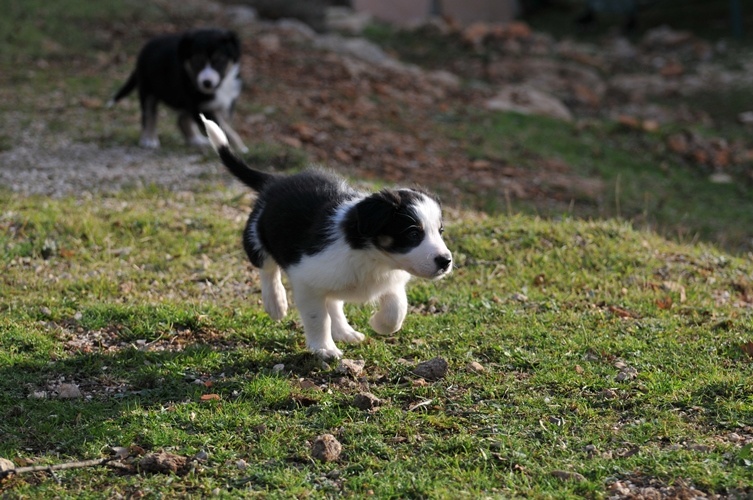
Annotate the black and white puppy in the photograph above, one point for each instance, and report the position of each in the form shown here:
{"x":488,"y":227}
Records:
{"x":336,"y":245}
{"x":193,"y":72}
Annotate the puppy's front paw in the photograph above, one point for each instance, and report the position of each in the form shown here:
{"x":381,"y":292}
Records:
{"x":328,"y":353}
{"x":349,"y":336}
{"x":385,"y":324}
{"x":199,"y":141}
{"x":276,"y":305}
{"x":149,"y":142}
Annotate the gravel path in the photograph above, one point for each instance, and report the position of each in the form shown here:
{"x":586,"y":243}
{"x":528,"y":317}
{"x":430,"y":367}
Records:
{"x":40,"y":162}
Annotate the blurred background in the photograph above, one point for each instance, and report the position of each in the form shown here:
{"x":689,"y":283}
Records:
{"x":636,"y":109}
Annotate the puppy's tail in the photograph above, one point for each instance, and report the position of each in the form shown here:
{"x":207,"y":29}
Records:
{"x":126,"y":89}
{"x":254,"y":179}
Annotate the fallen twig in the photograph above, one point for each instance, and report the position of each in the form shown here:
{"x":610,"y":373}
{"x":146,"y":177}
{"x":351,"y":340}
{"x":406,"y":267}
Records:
{"x":51,"y":468}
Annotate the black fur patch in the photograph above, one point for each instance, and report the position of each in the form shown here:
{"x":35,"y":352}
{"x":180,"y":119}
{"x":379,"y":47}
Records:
{"x":293,"y":217}
{"x":386,"y":220}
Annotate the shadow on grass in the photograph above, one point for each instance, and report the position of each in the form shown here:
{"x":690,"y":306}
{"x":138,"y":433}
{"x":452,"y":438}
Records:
{"x":120,"y":388}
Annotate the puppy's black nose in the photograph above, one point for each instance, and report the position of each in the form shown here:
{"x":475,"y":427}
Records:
{"x":207,"y":84}
{"x":443,"y":261}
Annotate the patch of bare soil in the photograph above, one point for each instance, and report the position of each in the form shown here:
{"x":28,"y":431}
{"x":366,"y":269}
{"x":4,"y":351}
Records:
{"x":349,"y":105}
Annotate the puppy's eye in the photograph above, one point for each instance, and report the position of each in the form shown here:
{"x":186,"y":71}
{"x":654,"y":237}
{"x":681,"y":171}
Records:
{"x":441,"y":229}
{"x":414,"y":234}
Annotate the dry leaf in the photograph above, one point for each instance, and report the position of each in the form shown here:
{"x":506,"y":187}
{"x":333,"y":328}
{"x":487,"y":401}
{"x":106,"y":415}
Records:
{"x":664,"y":303}
{"x":622,"y":313}
{"x":747,"y":349}
{"x":210,"y":397}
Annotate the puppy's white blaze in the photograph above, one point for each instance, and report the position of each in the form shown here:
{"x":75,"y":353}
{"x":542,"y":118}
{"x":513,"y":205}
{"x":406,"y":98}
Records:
{"x":216,"y":136}
{"x":420,"y":260}
{"x":208,"y":74}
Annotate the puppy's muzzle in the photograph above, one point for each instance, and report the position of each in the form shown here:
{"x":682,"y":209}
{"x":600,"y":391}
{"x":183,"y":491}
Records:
{"x":208,"y":79}
{"x":443,"y":262}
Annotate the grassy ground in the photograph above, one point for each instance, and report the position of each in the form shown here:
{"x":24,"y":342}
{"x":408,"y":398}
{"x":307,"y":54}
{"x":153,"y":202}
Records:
{"x":611,"y":358}
{"x":608,"y":353}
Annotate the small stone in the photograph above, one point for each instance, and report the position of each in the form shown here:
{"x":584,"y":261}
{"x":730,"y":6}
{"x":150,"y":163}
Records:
{"x":241,"y":464}
{"x":69,"y":391}
{"x":619,"y":488}
{"x":477,"y":367}
{"x":278,"y":368}
{"x":326,"y":448}
{"x":353,"y":367}
{"x":366,"y":401}
{"x":627,"y":373}
{"x":433,"y":369}
{"x":608,"y":394}
{"x":564,"y":475}
{"x":163,"y":462}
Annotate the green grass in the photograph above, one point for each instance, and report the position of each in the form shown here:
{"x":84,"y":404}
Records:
{"x":165,"y":298}
{"x":642,"y":181}
{"x":145,"y":300}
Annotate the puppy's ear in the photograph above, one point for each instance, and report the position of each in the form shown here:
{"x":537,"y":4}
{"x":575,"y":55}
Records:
{"x":235,"y":43}
{"x":375,"y":212}
{"x":184,"y":46}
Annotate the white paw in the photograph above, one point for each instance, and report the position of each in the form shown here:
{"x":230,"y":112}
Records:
{"x":328,"y":353}
{"x":199,"y":141}
{"x":385,"y":325}
{"x":276,"y":305}
{"x":349,"y":336}
{"x":149,"y":142}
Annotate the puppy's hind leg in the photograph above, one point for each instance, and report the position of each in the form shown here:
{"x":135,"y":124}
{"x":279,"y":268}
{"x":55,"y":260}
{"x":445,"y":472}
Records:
{"x":272,"y":292}
{"x":341,"y":330}
{"x":317,"y":324}
{"x":190,"y":131}
{"x":223,"y":122}
{"x":149,"y":137}
{"x":393,"y":307}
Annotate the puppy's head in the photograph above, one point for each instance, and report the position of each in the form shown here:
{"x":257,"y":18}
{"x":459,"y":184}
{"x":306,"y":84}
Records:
{"x":208,"y":56}
{"x":406,"y":225}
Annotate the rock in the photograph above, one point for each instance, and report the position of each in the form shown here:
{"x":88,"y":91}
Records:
{"x":279,"y":367}
{"x":69,"y":391}
{"x":163,"y":463}
{"x":626,"y":373}
{"x":297,"y":29}
{"x":475,"y":366}
{"x":608,"y":394}
{"x":352,"y":367}
{"x":444,"y":79}
{"x":347,"y":20}
{"x":721,"y":178}
{"x":746,"y":117}
{"x":366,"y":401}
{"x":241,"y":14}
{"x":563,"y":475}
{"x":528,"y":101}
{"x":433,"y":369}
{"x":269,"y":43}
{"x":326,"y":448}
{"x":360,"y":48}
